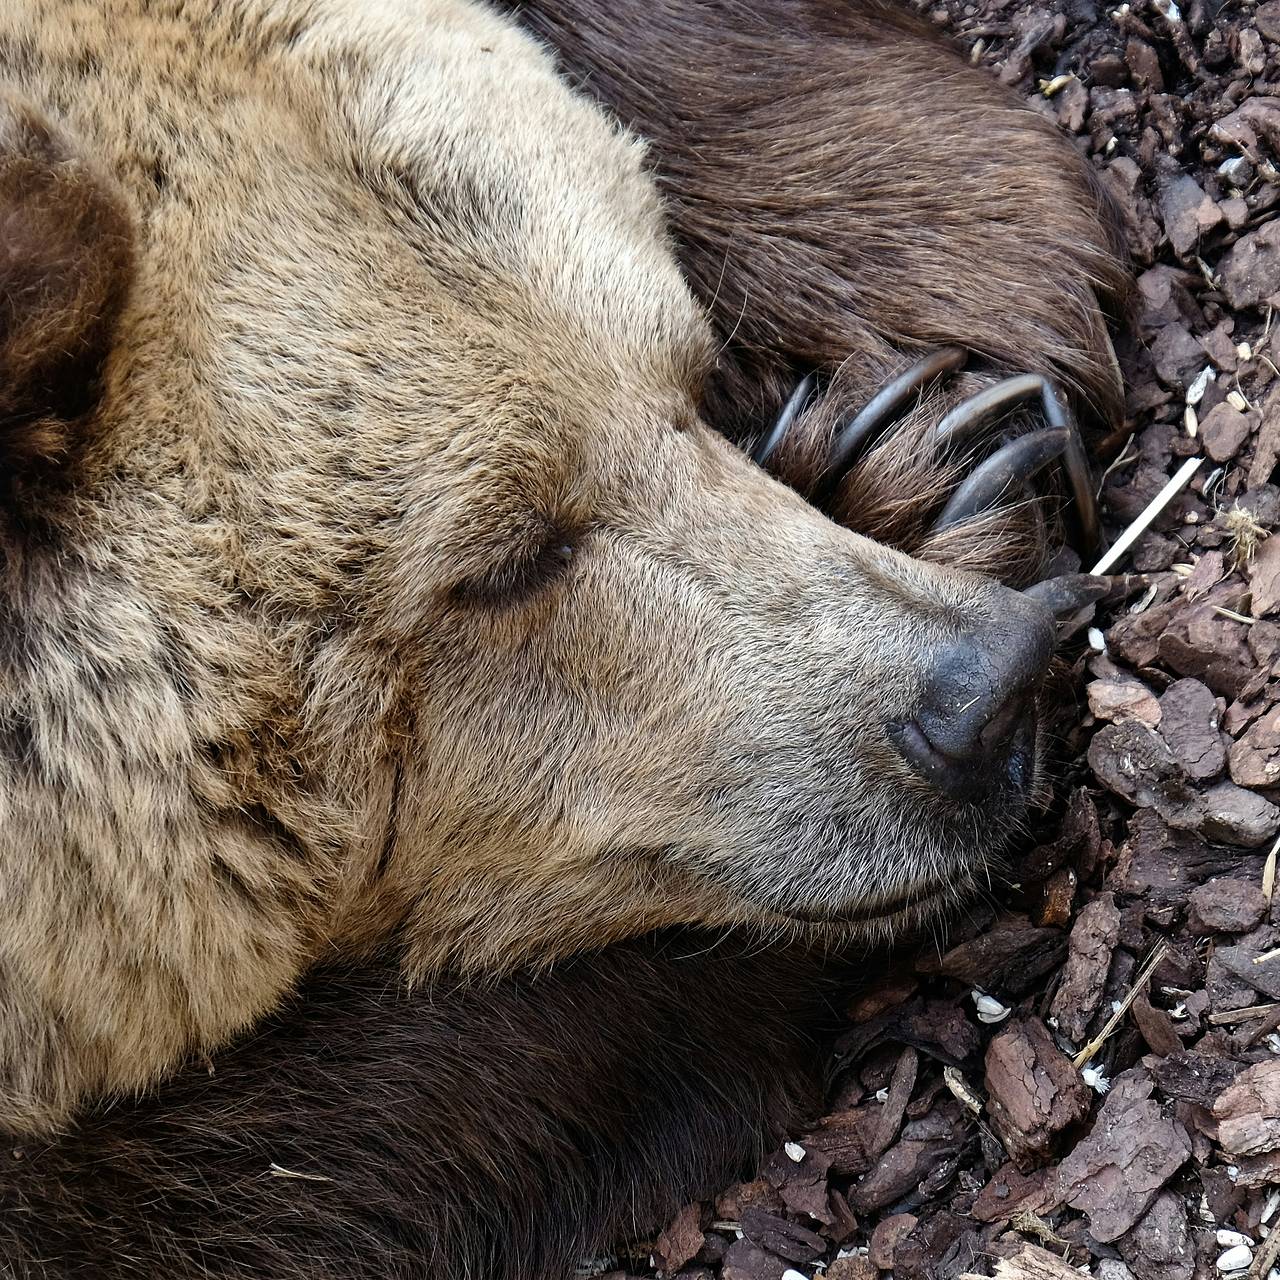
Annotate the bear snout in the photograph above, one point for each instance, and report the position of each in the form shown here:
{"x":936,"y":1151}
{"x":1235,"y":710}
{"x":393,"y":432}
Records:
{"x":972,"y":734}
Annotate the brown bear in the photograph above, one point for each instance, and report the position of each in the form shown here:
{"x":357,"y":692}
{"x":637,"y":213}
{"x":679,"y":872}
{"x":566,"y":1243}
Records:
{"x":381,"y":592}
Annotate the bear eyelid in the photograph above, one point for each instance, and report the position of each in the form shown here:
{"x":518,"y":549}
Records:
{"x":517,"y":580}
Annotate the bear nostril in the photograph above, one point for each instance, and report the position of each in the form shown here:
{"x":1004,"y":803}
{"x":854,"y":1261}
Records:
{"x":975,"y":719}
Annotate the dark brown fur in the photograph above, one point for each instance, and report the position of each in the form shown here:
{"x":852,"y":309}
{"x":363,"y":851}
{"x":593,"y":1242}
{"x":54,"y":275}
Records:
{"x":492,"y":1134}
{"x":502,"y":1131}
{"x":66,"y":261}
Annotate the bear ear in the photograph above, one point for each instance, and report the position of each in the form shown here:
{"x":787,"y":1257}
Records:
{"x":66,"y":261}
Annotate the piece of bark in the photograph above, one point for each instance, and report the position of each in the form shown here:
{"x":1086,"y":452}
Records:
{"x":1030,"y":1263}
{"x":887,"y":993}
{"x":1010,"y":1191}
{"x":1133,"y":761}
{"x":1232,"y":815}
{"x":802,"y":1183}
{"x":679,"y":1243}
{"x":901,"y":1085}
{"x":1123,"y":700}
{"x":925,"y":1145}
{"x":1133,"y":1149}
{"x":843,"y":1221}
{"x":1177,"y":356}
{"x":1186,"y":211}
{"x":1189,"y":724}
{"x":1254,"y":758}
{"x":746,"y":1261}
{"x":1255,"y":120}
{"x":936,"y":1248}
{"x":1224,"y":429}
{"x":1196,"y":640}
{"x":1209,"y":570}
{"x":1057,"y":898}
{"x":856,"y":1267}
{"x":1010,"y":956}
{"x":845,"y":1138}
{"x":1244,"y":961}
{"x":1248,"y":1111}
{"x":1161,"y":866}
{"x":757,"y":1194}
{"x":1258,"y":1171}
{"x":1159,"y":1247}
{"x":939,"y":1028}
{"x":1033,"y":1091}
{"x":1164,"y":294}
{"x":1093,"y":940}
{"x":781,"y":1236}
{"x":1191,"y":1076}
{"x":1226,"y":905}
{"x":1264,"y":578}
{"x":886,"y":1237}
{"x":1250,"y":270}
{"x":1156,"y":1027}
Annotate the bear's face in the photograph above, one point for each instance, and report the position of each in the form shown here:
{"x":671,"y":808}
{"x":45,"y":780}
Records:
{"x":390,"y":585}
{"x":659,"y":690}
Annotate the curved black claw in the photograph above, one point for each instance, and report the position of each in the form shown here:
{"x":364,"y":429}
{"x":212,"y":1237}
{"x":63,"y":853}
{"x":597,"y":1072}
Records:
{"x":991,"y":479}
{"x":1011,"y":465}
{"x":966,"y":420}
{"x":1070,"y":593}
{"x":971,"y":416}
{"x":884,"y":408}
{"x":795,"y":405}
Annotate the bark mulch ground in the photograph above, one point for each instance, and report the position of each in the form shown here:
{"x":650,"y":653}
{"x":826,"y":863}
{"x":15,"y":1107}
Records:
{"x":1088,"y":1079}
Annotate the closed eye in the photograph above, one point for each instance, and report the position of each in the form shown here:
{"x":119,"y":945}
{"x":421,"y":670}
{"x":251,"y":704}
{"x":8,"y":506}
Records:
{"x":516,"y":581}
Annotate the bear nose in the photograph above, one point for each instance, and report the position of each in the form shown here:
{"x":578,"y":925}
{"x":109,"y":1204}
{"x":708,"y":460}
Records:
{"x":974,"y":727}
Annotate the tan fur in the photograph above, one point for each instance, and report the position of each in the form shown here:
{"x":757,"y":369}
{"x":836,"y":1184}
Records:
{"x":295,"y":664}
